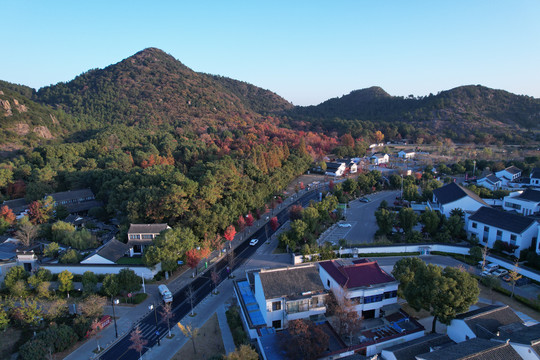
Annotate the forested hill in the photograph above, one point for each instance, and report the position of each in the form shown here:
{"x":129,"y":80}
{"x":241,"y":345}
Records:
{"x":151,"y":88}
{"x":465,"y":107}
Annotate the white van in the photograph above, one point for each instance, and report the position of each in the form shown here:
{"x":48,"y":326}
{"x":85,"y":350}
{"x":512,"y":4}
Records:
{"x":491,"y":267}
{"x":166,"y":295}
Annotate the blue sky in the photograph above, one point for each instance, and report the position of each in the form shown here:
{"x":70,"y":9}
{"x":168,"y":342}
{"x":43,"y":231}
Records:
{"x":305,"y":51}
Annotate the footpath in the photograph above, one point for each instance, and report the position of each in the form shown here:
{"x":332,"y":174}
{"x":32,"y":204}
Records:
{"x":127,"y":316}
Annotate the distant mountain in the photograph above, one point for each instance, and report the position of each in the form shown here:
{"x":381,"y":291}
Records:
{"x":151,"y":87}
{"x":459,"y":108}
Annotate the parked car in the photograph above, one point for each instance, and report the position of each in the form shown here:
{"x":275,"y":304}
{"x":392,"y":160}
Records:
{"x":253,"y":242}
{"x":491,"y":267}
{"x":500,"y":272}
{"x":344,"y":225}
{"x":364,"y":199}
{"x":485,"y":273}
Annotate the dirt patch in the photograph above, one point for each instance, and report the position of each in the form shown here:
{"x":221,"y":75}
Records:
{"x":208,"y":343}
{"x":43,"y":131}
{"x":21,"y":129}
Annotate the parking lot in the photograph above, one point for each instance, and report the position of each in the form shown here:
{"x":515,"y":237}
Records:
{"x":361,"y":217}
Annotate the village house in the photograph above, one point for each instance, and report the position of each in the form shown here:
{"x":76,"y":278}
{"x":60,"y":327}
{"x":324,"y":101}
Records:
{"x":482,"y":323}
{"x":453,"y":196}
{"x":142,"y":235}
{"x":335,"y":168}
{"x":286,"y":294}
{"x":525,"y":341}
{"x":362,"y":282}
{"x":490,"y":182}
{"x":524,"y":202}
{"x":109,"y":253}
{"x":408,"y":350}
{"x":508,"y":175}
{"x":490,"y":225}
{"x":406,"y":154}
{"x":379,"y":159}
{"x":76,"y":200}
{"x":478,"y":349}
{"x":534,"y":178}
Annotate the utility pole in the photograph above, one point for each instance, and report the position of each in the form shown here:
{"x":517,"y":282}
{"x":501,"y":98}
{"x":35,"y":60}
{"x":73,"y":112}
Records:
{"x":153,"y":306}
{"x":114,"y":301}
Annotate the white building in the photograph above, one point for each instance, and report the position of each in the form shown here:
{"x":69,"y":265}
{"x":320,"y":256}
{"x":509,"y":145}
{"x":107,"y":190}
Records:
{"x":142,"y":235}
{"x":453,"y":196}
{"x":363,"y":282}
{"x":422,"y":345}
{"x":335,"y":168}
{"x":477,"y":349}
{"x":108,"y":253}
{"x":508,"y":175}
{"x":526,"y":341}
{"x":490,"y":225}
{"x":490,"y":182}
{"x":290,"y":293}
{"x":483,"y":323}
{"x":534,"y":178}
{"x":524,"y":202}
{"x":406,"y":154}
{"x":379,"y":158}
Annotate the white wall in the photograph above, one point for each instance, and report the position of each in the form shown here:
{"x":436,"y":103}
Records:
{"x":97,"y":259}
{"x":378,"y":347}
{"x":466,"y":204}
{"x":145,"y":272}
{"x":523,"y":240}
{"x":459,"y":331}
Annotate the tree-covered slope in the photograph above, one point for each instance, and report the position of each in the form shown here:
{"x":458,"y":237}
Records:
{"x":151,"y":87}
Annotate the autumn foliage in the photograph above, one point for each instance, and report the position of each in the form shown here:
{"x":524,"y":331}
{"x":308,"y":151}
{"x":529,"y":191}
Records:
{"x":193,"y":257}
{"x":274,"y":224}
{"x":249,"y":219}
{"x":7,"y":214}
{"x":230,"y":232}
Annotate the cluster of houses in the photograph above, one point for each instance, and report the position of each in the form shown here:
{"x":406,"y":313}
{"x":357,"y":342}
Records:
{"x":342,"y":167}
{"x":514,"y":223}
{"x":269,"y":299}
{"x":510,"y":179}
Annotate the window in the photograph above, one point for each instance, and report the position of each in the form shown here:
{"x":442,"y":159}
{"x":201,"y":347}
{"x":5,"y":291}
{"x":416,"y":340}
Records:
{"x":390,"y":294}
{"x":474,"y":225}
{"x":328,"y":282}
{"x":485,"y":237}
{"x":513,"y":239}
{"x":276,"y":305}
{"x":147,"y":237}
{"x":276,"y":324}
{"x":499,"y":235}
{"x":512,"y":205}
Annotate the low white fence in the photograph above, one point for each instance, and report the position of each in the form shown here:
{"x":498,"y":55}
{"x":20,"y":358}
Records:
{"x":80,"y":269}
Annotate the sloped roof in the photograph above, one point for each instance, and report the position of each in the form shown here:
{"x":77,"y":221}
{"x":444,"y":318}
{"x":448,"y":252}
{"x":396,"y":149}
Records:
{"x":453,"y":192}
{"x":478,"y":349}
{"x":485,"y":322}
{"x":492,"y":178}
{"x":113,"y":250}
{"x":291,"y":282}
{"x":72,"y":195}
{"x":409,"y":349}
{"x":147,"y":228}
{"x":360,"y":274}
{"x":530,"y":195}
{"x":513,"y":170}
{"x":378,"y":155}
{"x":526,"y":336}
{"x":502,"y":220}
{"x":535,"y":174}
{"x":334,"y":165}
{"x":16,"y":205}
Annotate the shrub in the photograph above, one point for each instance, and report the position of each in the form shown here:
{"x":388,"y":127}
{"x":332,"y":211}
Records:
{"x":60,"y":336}
{"x":34,"y":350}
{"x":71,"y":256}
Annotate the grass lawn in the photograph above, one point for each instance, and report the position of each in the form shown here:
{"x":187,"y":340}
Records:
{"x":208,"y":343}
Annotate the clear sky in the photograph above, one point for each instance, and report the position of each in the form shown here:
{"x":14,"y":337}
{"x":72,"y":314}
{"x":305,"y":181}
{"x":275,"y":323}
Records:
{"x":305,"y":51}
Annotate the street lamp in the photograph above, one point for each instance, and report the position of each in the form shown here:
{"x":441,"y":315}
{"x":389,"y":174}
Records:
{"x":153,"y":307}
{"x":115,"y":302}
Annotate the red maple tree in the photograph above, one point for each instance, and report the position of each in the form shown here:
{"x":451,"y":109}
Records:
{"x":241,"y":223}
{"x":193,"y":257}
{"x":230,"y":232}
{"x":274,"y":224}
{"x":249,"y":219}
{"x":7,"y":214}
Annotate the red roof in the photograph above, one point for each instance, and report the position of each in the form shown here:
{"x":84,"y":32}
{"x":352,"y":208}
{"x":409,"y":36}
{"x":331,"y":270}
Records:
{"x":361,"y":273}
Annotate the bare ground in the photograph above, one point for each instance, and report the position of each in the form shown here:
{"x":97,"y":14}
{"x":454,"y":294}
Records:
{"x":208,"y":343}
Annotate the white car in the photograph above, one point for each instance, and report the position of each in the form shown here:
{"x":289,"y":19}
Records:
{"x":253,"y":242}
{"x":499,"y":272}
{"x":344,"y":225}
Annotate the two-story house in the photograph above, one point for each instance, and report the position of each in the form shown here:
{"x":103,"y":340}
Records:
{"x":490,"y":182}
{"x":406,"y":154}
{"x":490,"y":225}
{"x":335,"y":168}
{"x":142,"y":235}
{"x":362,"y":282}
{"x":524,"y":202}
{"x":291,"y":293}
{"x":534,"y":178}
{"x":508,"y":175}
{"x":379,"y":159}
{"x":76,"y":200}
{"x":453,"y":196}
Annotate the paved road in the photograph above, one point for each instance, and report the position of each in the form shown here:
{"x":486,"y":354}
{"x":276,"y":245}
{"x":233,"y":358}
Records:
{"x":201,"y":286}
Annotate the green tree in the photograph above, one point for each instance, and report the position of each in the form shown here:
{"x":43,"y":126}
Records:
{"x":385,"y":220}
{"x":110,"y":285}
{"x":52,"y":250}
{"x":15,"y":274}
{"x":407,"y":219}
{"x":34,"y":350}
{"x":299,"y":229}
{"x":431,"y":220}
{"x":444,"y":292}
{"x":71,"y":256}
{"x":65,"y":282}
{"x":128,"y":281}
{"x":4,"y":319}
{"x":476,"y":253}
{"x":244,"y":352}
{"x":62,"y":231}
{"x":89,"y":282}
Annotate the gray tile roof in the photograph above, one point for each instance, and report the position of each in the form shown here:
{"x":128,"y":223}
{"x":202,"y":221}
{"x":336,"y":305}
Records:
{"x":513,"y":170}
{"x":502,"y":220}
{"x":74,"y":195}
{"x":453,"y":192}
{"x":535,"y":174}
{"x":291,"y":282}
{"x":147,"y":228}
{"x":16,"y":205}
{"x":477,"y":349}
{"x":113,"y":250}
{"x":530,"y":195}
{"x":492,"y":179}
{"x":526,"y":336}
{"x":408,"y":350}
{"x":485,"y":322}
